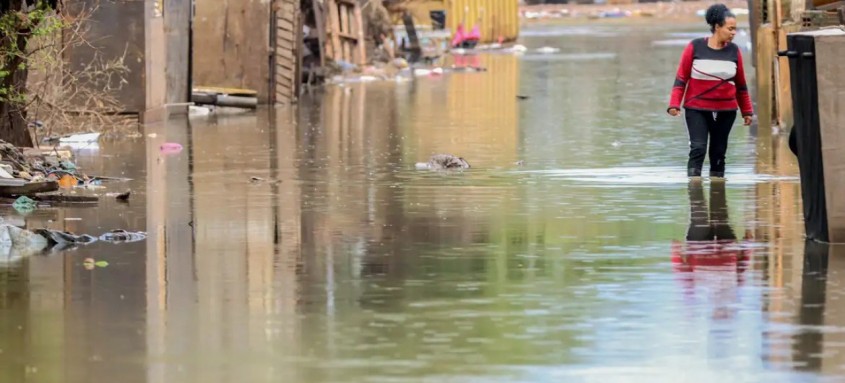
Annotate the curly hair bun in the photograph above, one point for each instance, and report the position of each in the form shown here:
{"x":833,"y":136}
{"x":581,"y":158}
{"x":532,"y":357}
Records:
{"x":716,"y":15}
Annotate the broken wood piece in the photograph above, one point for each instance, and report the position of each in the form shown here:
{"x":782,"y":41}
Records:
{"x":29,"y":189}
{"x":64,"y":198}
{"x":261,"y":180}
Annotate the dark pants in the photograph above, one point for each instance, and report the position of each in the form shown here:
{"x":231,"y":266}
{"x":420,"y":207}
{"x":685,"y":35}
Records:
{"x":708,"y":224}
{"x":717,"y":126}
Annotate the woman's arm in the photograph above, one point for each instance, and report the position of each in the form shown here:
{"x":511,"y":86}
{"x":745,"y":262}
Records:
{"x":742,"y":96}
{"x":683,"y":75}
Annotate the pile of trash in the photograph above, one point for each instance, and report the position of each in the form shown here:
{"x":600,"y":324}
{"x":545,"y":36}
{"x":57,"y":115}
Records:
{"x":18,"y":168}
{"x":345,"y":72}
{"x":397,"y":70}
{"x":16,"y":242}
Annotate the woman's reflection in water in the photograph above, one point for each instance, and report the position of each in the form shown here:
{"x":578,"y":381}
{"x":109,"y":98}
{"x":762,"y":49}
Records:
{"x":711,"y":259}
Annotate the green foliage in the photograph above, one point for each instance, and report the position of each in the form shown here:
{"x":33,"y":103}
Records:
{"x":17,"y":29}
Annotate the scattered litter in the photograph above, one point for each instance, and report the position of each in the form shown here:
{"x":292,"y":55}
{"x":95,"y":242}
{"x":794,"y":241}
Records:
{"x":12,"y":182}
{"x":260,"y":180}
{"x":548,"y":50}
{"x":123,"y":197}
{"x":62,"y":239}
{"x":90,"y":263}
{"x":68,"y":181}
{"x":519,"y":163}
{"x":519,"y":48}
{"x":443,"y":161}
{"x":152,"y":135}
{"x":521,"y":97}
{"x":123,"y":236}
{"x":16,"y":242}
{"x":73,"y":219}
{"x":25,"y":204}
{"x":91,"y":185}
{"x":5,"y":174}
{"x":80,"y":138}
{"x":198,"y":111}
{"x":39,"y":170}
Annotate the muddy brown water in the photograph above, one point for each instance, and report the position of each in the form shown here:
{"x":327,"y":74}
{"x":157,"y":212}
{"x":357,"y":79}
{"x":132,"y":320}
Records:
{"x":357,"y":268}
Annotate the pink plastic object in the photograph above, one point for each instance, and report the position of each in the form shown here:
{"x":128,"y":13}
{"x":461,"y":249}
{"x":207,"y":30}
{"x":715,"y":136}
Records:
{"x":475,"y":34}
{"x":459,"y":36}
{"x":171,"y":148}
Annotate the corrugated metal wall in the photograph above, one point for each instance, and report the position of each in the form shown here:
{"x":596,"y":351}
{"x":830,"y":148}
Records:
{"x":496,"y":18}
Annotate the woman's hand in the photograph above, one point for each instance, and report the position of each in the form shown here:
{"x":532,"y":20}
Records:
{"x":748,"y":120}
{"x":674,"y":112}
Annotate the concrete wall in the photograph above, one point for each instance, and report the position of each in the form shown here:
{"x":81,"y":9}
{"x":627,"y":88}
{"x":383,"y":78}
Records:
{"x":830,"y":74}
{"x":177,"y":32}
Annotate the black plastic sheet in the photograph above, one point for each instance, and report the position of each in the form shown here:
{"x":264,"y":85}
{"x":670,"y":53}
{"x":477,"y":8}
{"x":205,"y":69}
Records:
{"x":807,"y":134}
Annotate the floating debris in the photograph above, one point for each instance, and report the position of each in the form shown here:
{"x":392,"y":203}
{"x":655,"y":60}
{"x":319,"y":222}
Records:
{"x":25,"y":204}
{"x":16,"y":243}
{"x":443,"y":161}
{"x":91,"y":263}
{"x":548,"y":50}
{"x":123,"y":236}
{"x":123,"y":197}
{"x":171,"y":148}
{"x":256,"y":180}
{"x":80,"y":138}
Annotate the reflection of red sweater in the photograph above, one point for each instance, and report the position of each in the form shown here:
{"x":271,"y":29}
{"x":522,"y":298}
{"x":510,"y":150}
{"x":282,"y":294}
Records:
{"x":711,"y":79}
{"x":688,"y":256}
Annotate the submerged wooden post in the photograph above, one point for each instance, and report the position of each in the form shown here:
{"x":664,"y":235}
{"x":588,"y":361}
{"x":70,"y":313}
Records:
{"x":155,"y":58}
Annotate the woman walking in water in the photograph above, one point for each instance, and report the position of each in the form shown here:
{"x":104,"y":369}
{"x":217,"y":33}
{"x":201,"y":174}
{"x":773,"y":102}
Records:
{"x":711,"y":82}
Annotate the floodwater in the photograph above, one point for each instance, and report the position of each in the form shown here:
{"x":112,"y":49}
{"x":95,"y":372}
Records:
{"x":573,"y":267}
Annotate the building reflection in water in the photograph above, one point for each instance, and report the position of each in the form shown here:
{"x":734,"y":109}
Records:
{"x":265,"y":279}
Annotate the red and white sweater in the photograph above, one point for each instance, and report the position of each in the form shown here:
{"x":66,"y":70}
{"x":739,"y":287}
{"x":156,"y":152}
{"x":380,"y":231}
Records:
{"x":711,"y":80}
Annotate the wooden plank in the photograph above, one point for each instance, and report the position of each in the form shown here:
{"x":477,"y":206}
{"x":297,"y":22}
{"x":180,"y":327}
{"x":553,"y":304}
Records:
{"x":284,"y":24}
{"x":827,"y":4}
{"x":29,"y":188}
{"x":361,"y":57}
{"x":285,"y":76}
{"x":285,"y":48}
{"x":784,"y":87}
{"x":347,"y":36}
{"x":177,"y":32}
{"x":232,"y":40}
{"x":334,"y":26}
{"x":287,"y":51}
{"x":320,"y":21}
{"x":223,"y":90}
{"x":344,"y":28}
{"x":764,"y":77}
